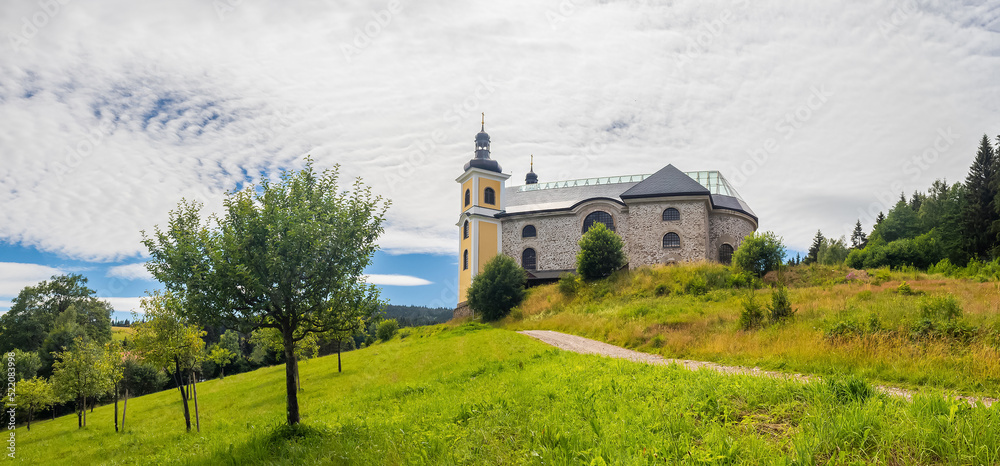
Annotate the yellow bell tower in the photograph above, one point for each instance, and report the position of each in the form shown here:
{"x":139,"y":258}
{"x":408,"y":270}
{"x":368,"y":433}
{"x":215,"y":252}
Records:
{"x":482,"y":191}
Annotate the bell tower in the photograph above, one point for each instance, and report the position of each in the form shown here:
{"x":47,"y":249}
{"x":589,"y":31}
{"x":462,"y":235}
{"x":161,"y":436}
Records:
{"x":481,"y":199}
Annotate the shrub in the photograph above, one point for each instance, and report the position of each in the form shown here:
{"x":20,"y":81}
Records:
{"x":696,"y":286}
{"x":662,"y":289}
{"x":781,"y":307}
{"x":568,"y":283}
{"x":602,"y":252}
{"x":752,"y":314}
{"x":905,"y":289}
{"x":387,"y":329}
{"x":498,"y":289}
{"x":944,"y":307}
{"x":742,"y":280}
{"x":759,"y":253}
{"x":850,"y":389}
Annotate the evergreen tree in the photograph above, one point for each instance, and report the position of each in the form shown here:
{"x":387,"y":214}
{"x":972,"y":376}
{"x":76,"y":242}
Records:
{"x":980,"y":214}
{"x":858,"y":239}
{"x":916,"y":201}
{"x":879,"y":219}
{"x":813,"y":254}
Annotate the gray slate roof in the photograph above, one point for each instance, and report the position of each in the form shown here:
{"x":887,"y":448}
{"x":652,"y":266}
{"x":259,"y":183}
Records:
{"x":668,"y":181}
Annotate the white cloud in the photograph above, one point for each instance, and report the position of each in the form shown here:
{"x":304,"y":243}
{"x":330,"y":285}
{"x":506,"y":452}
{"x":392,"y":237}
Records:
{"x":396,"y":280}
{"x":130,"y":272}
{"x":125,"y":304}
{"x":115,"y":110}
{"x":14,"y":276}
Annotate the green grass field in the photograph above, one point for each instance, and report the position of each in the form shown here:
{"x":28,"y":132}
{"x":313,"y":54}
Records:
{"x":863,"y":327}
{"x":477,"y":395}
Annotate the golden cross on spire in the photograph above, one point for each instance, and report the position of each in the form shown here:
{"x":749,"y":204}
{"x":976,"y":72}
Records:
{"x":483,"y":128}
{"x":532,"y":162}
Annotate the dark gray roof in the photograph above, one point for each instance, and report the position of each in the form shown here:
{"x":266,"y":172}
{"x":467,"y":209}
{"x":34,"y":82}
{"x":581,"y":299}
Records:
{"x":669,"y":181}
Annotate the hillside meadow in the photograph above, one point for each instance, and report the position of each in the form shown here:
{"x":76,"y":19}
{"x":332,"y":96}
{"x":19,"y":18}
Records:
{"x":904,"y":328}
{"x":472,"y":394}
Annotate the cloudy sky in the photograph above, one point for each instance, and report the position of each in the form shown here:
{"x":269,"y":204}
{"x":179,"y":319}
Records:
{"x":819,"y":112}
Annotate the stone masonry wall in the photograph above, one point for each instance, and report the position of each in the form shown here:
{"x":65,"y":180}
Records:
{"x":644,"y":237}
{"x":728,"y":229}
{"x":555,"y":243}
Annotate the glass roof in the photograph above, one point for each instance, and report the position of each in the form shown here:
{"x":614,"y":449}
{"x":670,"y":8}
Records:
{"x":583,"y":182}
{"x":712,"y":180}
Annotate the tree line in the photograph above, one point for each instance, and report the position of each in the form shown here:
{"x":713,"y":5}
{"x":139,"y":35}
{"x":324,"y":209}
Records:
{"x":947,"y":227}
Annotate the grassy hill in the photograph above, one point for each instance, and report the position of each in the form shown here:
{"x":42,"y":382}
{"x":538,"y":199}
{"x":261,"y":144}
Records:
{"x":471,"y":394}
{"x":931,"y":331}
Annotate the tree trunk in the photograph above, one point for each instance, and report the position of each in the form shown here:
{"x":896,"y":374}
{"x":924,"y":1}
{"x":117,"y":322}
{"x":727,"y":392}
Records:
{"x":180,"y":386}
{"x":222,"y":370}
{"x":194,"y":389}
{"x":116,"y":407}
{"x":85,"y":411}
{"x":29,"y":417}
{"x":79,"y":412}
{"x":339,"y":369}
{"x":124,"y":409}
{"x":291,"y":376}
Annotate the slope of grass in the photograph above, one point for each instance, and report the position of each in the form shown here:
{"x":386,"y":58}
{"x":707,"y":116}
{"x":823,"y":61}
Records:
{"x":847,"y":322}
{"x":476,"y":395}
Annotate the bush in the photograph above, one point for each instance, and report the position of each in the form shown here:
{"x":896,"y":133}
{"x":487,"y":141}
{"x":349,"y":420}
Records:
{"x":568,"y":283}
{"x":387,"y":329}
{"x":781,"y":307}
{"x":759,"y":253}
{"x":944,"y":307}
{"x":602,"y":252}
{"x":498,"y":289}
{"x":905,"y":289}
{"x":752,"y":314}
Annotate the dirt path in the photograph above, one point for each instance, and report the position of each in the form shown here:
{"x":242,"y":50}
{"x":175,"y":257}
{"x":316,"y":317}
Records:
{"x":587,"y":346}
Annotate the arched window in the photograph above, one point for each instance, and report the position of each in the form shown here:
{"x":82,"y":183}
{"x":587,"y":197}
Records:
{"x":671,"y":241}
{"x":468,"y":197}
{"x":465,"y":260}
{"x":726,"y":254}
{"x":671,"y":215}
{"x":465,"y":230}
{"x":489,"y":196}
{"x":599,"y":216}
{"x":528,"y":232}
{"x":528,"y":260}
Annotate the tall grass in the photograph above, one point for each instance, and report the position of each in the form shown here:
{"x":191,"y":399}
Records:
{"x":845,"y":322}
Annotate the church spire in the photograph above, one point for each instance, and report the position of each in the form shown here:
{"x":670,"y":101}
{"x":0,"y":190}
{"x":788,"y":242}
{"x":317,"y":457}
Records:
{"x":531,"y":177}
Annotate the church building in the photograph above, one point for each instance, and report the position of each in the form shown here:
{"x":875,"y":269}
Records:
{"x":665,"y":217}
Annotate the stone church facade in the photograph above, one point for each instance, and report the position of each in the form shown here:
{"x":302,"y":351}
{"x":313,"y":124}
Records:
{"x":665,"y":217}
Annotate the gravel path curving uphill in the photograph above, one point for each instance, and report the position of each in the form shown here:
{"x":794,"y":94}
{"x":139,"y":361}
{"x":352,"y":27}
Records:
{"x":587,"y":346}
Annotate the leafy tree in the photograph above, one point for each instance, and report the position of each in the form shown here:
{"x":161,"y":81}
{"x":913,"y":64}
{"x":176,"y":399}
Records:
{"x":34,"y":311}
{"x":113,"y":369}
{"x":858,"y":238}
{"x":759,"y":253}
{"x":77,"y":375}
{"x":26,"y":364}
{"x":498,"y":289}
{"x":66,"y":329}
{"x":902,"y":222}
{"x":288,"y":255}
{"x":980,"y":213}
{"x":35,"y":394}
{"x":833,"y":251}
{"x":169,"y":341}
{"x":813,"y":255}
{"x":602,"y":252}
{"x":221,"y":357}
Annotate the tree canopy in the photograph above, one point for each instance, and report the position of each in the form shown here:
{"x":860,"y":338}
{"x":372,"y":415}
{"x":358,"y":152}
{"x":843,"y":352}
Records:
{"x":34,"y":312}
{"x":288,"y":255}
{"x":760,"y":253}
{"x":602,"y":252}
{"x":499,"y":288}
